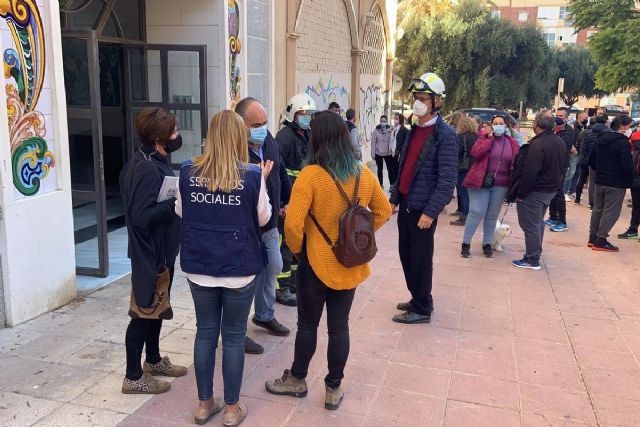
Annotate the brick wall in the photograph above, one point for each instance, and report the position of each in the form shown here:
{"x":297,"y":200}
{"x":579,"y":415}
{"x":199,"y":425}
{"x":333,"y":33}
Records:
{"x":325,"y":40}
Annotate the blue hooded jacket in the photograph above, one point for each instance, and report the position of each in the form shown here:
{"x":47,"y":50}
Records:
{"x":435,"y":174}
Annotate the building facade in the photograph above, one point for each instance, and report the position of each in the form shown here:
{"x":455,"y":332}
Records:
{"x":549,"y":15}
{"x":78,"y":71}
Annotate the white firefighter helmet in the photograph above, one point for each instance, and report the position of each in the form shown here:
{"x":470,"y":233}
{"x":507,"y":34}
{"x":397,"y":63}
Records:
{"x":299,"y":102}
{"x":428,"y":83}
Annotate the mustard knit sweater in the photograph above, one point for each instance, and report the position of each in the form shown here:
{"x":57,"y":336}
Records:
{"x":314,"y":189}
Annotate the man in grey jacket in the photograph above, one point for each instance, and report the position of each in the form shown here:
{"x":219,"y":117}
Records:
{"x":356,"y":138}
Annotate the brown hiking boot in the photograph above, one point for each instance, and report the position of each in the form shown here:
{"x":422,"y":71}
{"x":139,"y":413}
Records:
{"x":145,"y":385}
{"x":333,"y":398}
{"x":233,"y":419}
{"x":287,"y":385}
{"x":164,"y":368}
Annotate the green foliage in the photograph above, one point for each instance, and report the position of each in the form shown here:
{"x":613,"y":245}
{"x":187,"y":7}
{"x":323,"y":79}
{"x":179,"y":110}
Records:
{"x":616,"y":45}
{"x":577,"y":67}
{"x":484,"y":61}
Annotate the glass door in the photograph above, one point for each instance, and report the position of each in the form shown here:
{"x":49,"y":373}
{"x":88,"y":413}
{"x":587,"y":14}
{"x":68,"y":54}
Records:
{"x":171,"y":77}
{"x":84,"y":119}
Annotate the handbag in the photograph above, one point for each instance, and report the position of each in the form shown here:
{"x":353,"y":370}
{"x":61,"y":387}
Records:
{"x":489,"y":178}
{"x":161,"y":306}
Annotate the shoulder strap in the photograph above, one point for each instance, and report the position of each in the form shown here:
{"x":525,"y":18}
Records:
{"x":320,"y":229}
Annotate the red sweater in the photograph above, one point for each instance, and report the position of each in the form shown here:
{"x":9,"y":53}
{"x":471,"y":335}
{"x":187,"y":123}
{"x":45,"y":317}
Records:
{"x":420,"y":136}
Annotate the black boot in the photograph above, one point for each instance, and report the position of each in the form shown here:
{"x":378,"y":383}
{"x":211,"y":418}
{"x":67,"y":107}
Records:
{"x":466,"y":250}
{"x":284,"y":297}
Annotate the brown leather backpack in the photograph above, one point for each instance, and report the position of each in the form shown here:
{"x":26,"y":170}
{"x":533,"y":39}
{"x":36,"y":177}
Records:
{"x":356,"y":244}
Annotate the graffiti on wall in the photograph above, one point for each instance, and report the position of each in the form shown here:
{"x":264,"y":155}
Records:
{"x":324,"y":94}
{"x":372,"y":99}
{"x":234,"y":51}
{"x":24,"y":69}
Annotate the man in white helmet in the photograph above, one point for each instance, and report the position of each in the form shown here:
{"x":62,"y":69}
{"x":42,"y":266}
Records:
{"x":293,"y":141}
{"x":427,"y":176}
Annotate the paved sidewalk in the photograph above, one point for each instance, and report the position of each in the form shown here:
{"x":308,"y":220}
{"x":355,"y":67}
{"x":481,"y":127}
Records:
{"x":507,"y":347}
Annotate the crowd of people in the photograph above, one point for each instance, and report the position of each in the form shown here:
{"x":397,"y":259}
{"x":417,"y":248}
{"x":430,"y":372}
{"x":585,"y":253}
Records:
{"x":258,"y":219}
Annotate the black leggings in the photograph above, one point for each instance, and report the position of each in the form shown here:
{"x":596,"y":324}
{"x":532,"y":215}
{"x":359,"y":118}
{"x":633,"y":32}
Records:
{"x":392,"y":168}
{"x":312,"y":295}
{"x":139,"y":333}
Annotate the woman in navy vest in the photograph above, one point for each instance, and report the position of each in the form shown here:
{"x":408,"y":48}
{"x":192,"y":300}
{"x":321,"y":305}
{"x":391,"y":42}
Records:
{"x":223,"y":202}
{"x":154,"y":237}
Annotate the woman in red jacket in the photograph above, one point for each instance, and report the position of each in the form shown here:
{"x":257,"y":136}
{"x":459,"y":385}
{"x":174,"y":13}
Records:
{"x":488,"y":182}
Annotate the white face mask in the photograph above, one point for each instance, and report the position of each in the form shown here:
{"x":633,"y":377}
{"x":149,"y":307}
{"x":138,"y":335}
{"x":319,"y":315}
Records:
{"x":420,"y":109}
{"x":627,"y":133}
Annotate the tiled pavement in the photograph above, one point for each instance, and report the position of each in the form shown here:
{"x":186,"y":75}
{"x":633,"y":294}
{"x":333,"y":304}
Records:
{"x":558,"y":347}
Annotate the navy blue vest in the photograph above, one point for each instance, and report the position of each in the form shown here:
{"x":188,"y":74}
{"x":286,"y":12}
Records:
{"x":220,"y":231}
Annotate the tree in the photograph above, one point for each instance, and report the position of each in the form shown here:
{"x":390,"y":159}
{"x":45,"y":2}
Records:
{"x":467,"y":48}
{"x":577,"y":67}
{"x":616,"y":45}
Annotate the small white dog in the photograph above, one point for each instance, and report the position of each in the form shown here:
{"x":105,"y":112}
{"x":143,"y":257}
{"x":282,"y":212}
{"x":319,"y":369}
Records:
{"x":501,"y":232}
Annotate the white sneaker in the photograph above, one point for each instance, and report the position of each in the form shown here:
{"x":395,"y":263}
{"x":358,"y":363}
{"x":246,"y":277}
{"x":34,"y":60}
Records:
{"x":567,"y":198}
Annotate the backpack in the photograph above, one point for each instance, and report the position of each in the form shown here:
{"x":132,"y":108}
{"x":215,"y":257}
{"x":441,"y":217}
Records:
{"x":356,"y":244}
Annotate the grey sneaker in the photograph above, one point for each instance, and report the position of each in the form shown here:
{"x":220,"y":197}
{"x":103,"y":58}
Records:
{"x":145,"y":385}
{"x":287,"y":385}
{"x":165,"y":368}
{"x":333,"y":398}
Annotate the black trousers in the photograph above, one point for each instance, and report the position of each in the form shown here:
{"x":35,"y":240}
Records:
{"x":416,"y":256}
{"x":286,"y":279}
{"x":558,"y":206}
{"x":143,"y":333}
{"x":312,"y":296}
{"x":392,"y":168}
{"x":583,"y":171}
{"x":635,"y":209}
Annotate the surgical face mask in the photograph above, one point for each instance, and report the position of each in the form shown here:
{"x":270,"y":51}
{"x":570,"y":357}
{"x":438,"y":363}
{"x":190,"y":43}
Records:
{"x":383,"y":124}
{"x":304,"y":121}
{"x":420,"y":109}
{"x":258,"y":135}
{"x":559,"y":121}
{"x":628,"y":133}
{"x":498,"y":130}
{"x":585,"y":122}
{"x":173,"y":144}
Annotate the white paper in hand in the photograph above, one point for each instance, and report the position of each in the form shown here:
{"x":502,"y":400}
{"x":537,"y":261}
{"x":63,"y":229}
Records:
{"x":169,"y":188}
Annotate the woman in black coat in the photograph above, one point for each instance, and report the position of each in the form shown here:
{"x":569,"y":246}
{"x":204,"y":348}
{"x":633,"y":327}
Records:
{"x":154,"y":236}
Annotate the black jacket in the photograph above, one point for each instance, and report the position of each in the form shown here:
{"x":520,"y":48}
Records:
{"x":611,"y":160}
{"x":294,"y":148}
{"x":539,"y":166}
{"x":465,"y":144}
{"x":154,"y":228}
{"x":278,"y":184}
{"x":568,"y":136}
{"x":635,"y":155}
{"x":401,"y":137}
{"x":589,"y":141}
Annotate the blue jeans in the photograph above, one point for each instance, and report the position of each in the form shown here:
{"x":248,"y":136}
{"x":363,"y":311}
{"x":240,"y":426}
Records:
{"x":463,"y":195}
{"x":573,"y":164}
{"x":266,"y":280}
{"x":484,"y":203}
{"x":220,"y":310}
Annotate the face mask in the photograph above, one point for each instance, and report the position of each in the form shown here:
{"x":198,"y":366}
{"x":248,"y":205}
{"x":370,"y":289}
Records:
{"x":498,"y":130}
{"x":420,"y":109}
{"x":584,"y":122}
{"x":559,"y":121}
{"x":258,"y":135}
{"x":383,"y":124}
{"x":304,"y":121}
{"x":173,"y":144}
{"x":627,"y":133}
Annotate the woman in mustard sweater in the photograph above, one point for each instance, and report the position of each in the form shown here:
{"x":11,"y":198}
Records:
{"x":321,"y":278}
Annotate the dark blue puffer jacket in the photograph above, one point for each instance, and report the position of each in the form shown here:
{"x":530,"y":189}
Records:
{"x":435,"y":175}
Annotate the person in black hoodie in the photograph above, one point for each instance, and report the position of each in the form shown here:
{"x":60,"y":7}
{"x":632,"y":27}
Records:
{"x":264,"y":148}
{"x":613,"y":166}
{"x":632,"y":231}
{"x":537,"y":175}
{"x":154,"y":239}
{"x":587,"y":141}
